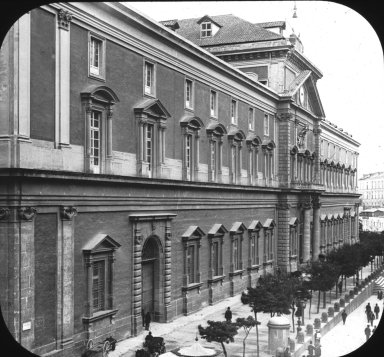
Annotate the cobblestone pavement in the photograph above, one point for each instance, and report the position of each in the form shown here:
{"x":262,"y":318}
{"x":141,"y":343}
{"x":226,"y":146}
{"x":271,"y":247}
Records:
{"x":183,"y":330}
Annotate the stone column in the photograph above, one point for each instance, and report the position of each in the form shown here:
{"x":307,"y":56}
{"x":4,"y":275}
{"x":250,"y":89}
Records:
{"x":284,"y":121}
{"x":283,"y":214}
{"x":316,"y":163}
{"x":65,"y":279}
{"x":357,"y":239}
{"x":137,"y":322}
{"x":316,"y":228}
{"x":307,"y":231}
{"x":167,"y":272}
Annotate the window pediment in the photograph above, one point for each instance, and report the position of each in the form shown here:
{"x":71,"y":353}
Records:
{"x":217,"y":229}
{"x":268,"y":144}
{"x":236,"y":134}
{"x":293,"y":221}
{"x":255,"y":225}
{"x":193,"y":232}
{"x":253,"y":140}
{"x":152,"y":107}
{"x":238,"y":227}
{"x":100,"y":93}
{"x":192,"y":122}
{"x":216,"y":129}
{"x":100,"y":243}
{"x":269,"y":223}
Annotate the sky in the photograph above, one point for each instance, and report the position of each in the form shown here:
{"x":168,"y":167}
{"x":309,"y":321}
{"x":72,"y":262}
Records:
{"x":337,"y":40}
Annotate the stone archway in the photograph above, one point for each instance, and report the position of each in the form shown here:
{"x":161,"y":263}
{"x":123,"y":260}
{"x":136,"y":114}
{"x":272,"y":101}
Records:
{"x":152,"y":276}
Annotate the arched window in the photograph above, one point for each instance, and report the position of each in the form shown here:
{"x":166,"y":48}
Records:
{"x":215,"y":133}
{"x":253,"y":145}
{"x":190,"y":129}
{"x":268,"y":147}
{"x":97,"y":103}
{"x":235,"y":138}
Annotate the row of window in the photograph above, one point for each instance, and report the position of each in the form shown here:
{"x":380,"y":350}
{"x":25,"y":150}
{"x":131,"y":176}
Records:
{"x":97,"y":69}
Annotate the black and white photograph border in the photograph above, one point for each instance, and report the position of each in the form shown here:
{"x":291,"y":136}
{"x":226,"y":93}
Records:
{"x":191,"y":179}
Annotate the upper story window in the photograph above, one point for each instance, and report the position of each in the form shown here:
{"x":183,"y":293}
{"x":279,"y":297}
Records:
{"x":213,"y":104}
{"x":98,"y":121}
{"x":266,"y":124}
{"x":149,"y":78}
{"x":215,"y":133}
{"x":96,"y":57}
{"x":188,"y":94}
{"x":206,"y":29}
{"x":251,"y":119}
{"x":233,"y":112}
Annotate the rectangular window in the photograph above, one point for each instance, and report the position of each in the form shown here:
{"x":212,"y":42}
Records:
{"x":236,"y":254}
{"x":188,"y":147}
{"x":96,"y":56}
{"x":95,"y":141}
{"x":233,"y":112}
{"x":149,"y":82}
{"x":266,"y":124}
{"x":191,"y":264}
{"x":98,"y":286}
{"x":188,"y":93}
{"x":206,"y":29}
{"x":215,"y":258}
{"x":251,"y":119}
{"x":149,"y":146}
{"x":213,"y":105}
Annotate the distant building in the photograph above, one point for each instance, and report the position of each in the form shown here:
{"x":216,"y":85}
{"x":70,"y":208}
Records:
{"x":371,"y":187}
{"x":372,"y":219}
{"x":157,"y":168}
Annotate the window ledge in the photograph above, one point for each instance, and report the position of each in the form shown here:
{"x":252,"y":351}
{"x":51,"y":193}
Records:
{"x":216,"y":278}
{"x":95,"y":76}
{"x":254,"y":267}
{"x":236,"y":272}
{"x":192,"y":286}
{"x":268,"y":262}
{"x":99,"y":315}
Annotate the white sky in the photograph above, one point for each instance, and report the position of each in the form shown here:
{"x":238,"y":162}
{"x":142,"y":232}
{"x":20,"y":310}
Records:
{"x":337,"y":40}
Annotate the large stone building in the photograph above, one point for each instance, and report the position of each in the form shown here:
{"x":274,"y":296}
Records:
{"x":157,"y":167}
{"x":371,"y":187}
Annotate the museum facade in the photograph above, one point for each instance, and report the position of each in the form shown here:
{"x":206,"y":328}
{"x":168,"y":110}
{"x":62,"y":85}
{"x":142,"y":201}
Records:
{"x":157,"y":167}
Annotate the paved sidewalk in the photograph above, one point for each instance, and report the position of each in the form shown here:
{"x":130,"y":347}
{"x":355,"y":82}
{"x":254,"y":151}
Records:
{"x":352,"y":333}
{"x":183,"y":330}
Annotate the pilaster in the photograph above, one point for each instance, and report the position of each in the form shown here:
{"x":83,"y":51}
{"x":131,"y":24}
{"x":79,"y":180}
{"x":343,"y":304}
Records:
{"x":137,"y":322}
{"x":283,"y":216}
{"x":306,"y":206}
{"x":167,"y":272}
{"x":316,"y":228}
{"x":65,"y":278}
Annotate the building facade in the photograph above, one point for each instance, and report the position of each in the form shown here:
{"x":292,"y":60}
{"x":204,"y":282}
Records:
{"x":143,"y":170}
{"x":371,"y":187}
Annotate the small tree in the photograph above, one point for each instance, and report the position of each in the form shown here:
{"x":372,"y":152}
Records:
{"x":247,"y":324}
{"x":219,"y":331}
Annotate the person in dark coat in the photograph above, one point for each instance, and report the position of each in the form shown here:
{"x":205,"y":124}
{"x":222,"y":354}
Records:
{"x":368,"y":311}
{"x":371,"y":317}
{"x":228,"y":315}
{"x":311,"y":349}
{"x":367,"y":332}
{"x":344,"y":316}
{"x":376,"y":310}
{"x":287,"y":353}
{"x":318,"y":351}
{"x":340,"y":286}
{"x":374,"y":329}
{"x":147,"y":320}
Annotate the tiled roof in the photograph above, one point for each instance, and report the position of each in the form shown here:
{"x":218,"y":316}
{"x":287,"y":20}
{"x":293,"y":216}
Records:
{"x":271,"y":24}
{"x":232,"y":30}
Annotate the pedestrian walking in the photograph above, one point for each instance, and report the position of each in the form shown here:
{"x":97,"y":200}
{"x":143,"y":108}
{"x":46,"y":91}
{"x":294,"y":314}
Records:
{"x":317,"y":337}
{"x":371,"y":317}
{"x":311,"y":349}
{"x":367,"y":332}
{"x":368,"y":310}
{"x":344,"y":316}
{"x":147,"y":320}
{"x":287,"y":353}
{"x":380,"y":294}
{"x":340,"y":286}
{"x":374,"y":329}
{"x":228,"y":315}
{"x":318,"y":351}
{"x":376,"y":310}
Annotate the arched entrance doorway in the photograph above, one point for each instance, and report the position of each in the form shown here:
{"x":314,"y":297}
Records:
{"x":151,"y":276}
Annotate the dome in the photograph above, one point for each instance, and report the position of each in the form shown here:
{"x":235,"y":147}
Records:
{"x":196,"y":350}
{"x":279,"y":321}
